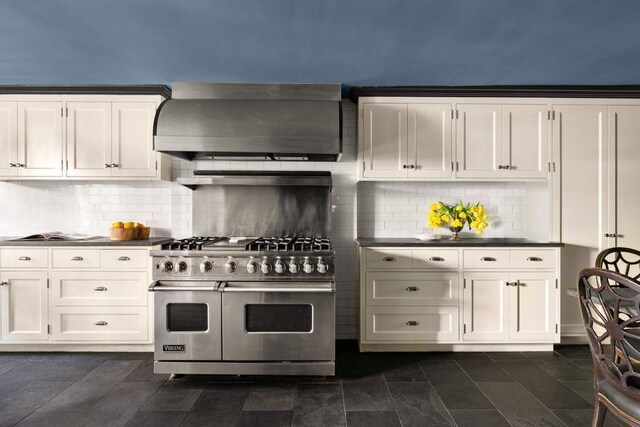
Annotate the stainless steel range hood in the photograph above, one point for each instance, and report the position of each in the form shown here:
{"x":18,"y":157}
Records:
{"x":251,"y":122}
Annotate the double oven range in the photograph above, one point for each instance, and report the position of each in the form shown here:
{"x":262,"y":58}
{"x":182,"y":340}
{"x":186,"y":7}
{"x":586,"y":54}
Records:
{"x":248,"y":305}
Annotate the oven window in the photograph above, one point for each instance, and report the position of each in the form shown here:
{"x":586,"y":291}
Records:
{"x":278,"y":317}
{"x":187,"y":317}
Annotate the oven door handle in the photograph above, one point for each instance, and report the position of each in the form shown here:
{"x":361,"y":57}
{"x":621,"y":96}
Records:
{"x":326,"y":289}
{"x":156,"y":286}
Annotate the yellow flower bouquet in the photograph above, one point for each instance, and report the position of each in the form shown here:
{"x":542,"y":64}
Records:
{"x":456,"y":216}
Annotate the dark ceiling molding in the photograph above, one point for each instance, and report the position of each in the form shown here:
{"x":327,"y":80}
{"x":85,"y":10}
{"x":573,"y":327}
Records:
{"x":532,"y":91}
{"x":86,"y":90}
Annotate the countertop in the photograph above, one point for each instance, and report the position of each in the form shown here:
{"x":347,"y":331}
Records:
{"x":102,"y":241}
{"x":369,"y":242}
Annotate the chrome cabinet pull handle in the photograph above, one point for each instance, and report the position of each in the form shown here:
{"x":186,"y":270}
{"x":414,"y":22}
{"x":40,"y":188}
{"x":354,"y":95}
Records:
{"x":413,"y":288}
{"x":100,"y":289}
{"x":436,"y":258}
{"x":488,"y":259}
{"x":534,"y":259}
{"x":612,"y":235}
{"x":101,"y":323}
{"x":124,"y":258}
{"x":389,"y":259}
{"x":512,"y":283}
{"x":24,"y":258}
{"x":77,"y":258}
{"x":413,"y":323}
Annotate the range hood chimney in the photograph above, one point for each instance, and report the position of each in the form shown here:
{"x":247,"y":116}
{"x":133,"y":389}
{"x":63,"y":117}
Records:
{"x":251,"y":122}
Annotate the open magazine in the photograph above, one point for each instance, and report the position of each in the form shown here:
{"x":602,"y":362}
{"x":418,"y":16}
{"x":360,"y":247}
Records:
{"x":58,"y":235}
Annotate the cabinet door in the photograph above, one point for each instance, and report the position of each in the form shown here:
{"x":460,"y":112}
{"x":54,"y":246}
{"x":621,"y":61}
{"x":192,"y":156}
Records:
{"x":580,"y":141}
{"x":385,"y":141}
{"x":479,"y":142}
{"x":24,"y":306}
{"x":412,"y":289}
{"x":532,"y":307}
{"x":525,"y":147}
{"x":429,"y":144}
{"x":89,"y":138}
{"x":132,"y":142}
{"x":40,"y":139}
{"x":624,"y":175}
{"x":8,"y":139}
{"x":486,"y":316}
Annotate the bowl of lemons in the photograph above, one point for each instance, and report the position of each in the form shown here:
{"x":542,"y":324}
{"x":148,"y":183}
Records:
{"x":129,"y":230}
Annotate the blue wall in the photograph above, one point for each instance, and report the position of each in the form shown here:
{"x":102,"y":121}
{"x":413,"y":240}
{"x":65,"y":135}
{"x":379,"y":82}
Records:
{"x":382,"y":42}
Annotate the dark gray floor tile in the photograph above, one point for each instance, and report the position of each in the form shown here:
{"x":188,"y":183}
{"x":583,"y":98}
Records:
{"x":221,"y":403}
{"x":157,"y":419}
{"x":11,"y":416}
{"x":583,"y":389}
{"x":8,"y":362}
{"x":33,"y":395}
{"x":517,"y":405}
{"x":551,"y":392}
{"x":86,"y":392}
{"x":125,"y":398}
{"x":373,"y":419}
{"x":584,"y":364}
{"x":144,"y":373}
{"x":466,"y":355}
{"x":367,"y":394}
{"x":188,"y":382}
{"x":454,"y":386}
{"x":560,"y":367}
{"x":505,"y":355}
{"x":172,"y":400}
{"x":437,"y":355}
{"x":482,"y":368}
{"x":401,"y":367}
{"x":271,"y":397}
{"x":357,"y":365}
{"x":487,"y":418}
{"x":319,"y":405}
{"x":582,"y":417}
{"x":265,"y":419}
{"x":54,"y":418}
{"x":418,"y":404}
{"x":573,"y":351}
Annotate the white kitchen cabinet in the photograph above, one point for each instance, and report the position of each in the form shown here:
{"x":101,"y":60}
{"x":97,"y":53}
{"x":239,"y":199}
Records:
{"x":430,"y":150}
{"x":479,"y":140}
{"x":486,"y":307}
{"x":525,"y":141}
{"x":24,"y":303}
{"x":40,"y":139}
{"x":132,"y":144}
{"x":385,"y":141}
{"x":89,"y":139}
{"x":532,"y":306}
{"x":412,"y":289}
{"x":8,"y":138}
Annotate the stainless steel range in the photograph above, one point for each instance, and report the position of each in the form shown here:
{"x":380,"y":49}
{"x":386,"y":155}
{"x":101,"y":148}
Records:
{"x":249,"y":305}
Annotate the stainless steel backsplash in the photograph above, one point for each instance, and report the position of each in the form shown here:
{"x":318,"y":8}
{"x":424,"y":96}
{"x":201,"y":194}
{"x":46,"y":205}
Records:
{"x":263,"y":210}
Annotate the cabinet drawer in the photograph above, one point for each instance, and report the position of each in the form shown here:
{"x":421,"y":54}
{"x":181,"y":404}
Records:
{"x":412,"y":289}
{"x":124,"y":259}
{"x":24,"y":258}
{"x":76,"y":258}
{"x":388,"y":258}
{"x":412,"y":324}
{"x":434,"y":259}
{"x":99,"y":289}
{"x":486,"y":259}
{"x":541,"y":258}
{"x":100,"y":324}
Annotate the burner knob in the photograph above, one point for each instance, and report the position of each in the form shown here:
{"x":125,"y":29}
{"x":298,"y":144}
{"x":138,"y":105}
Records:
{"x":230,"y":266}
{"x":307,"y":267}
{"x":166,"y":266}
{"x":322,"y":267}
{"x":252,"y":267}
{"x":182,"y":266}
{"x":280,"y":267}
{"x":293,"y":267}
{"x":265,"y":267}
{"x":205,"y":266}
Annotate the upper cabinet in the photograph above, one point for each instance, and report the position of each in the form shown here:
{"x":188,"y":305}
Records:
{"x":453,"y":140}
{"x":79,"y":137}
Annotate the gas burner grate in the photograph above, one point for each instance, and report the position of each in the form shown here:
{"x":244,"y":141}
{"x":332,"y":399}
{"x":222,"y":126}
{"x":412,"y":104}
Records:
{"x":196,"y":243}
{"x":307,"y":244}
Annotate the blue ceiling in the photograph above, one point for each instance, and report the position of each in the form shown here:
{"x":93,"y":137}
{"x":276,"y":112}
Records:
{"x":355,"y":42}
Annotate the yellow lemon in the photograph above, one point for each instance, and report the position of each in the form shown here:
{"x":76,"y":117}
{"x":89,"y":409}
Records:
{"x":117,"y":224}
{"x":139,"y":225}
{"x":129,"y":224}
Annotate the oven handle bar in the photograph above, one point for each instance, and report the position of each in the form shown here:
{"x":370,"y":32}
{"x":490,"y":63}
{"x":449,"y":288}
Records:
{"x":156,"y":286}
{"x":326,"y":289}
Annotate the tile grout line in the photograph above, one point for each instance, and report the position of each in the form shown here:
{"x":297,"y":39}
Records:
{"x":436,"y":392}
{"x":386,"y":383}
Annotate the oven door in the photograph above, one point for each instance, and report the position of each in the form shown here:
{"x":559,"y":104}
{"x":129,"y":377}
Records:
{"x":187,"y":320}
{"x":265,"y":321}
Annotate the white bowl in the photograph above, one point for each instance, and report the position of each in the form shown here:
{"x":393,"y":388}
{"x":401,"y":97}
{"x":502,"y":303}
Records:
{"x":426,"y":237}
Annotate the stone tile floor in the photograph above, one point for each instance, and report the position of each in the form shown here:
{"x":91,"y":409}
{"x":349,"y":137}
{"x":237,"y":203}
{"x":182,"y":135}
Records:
{"x":381,"y":389}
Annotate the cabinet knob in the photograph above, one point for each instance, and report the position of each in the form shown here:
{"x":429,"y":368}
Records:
{"x":19,"y":165}
{"x":413,"y":323}
{"x":413,"y":288}
{"x":506,"y":167}
{"x":24,"y":258}
{"x":107,"y":165}
{"x":404,"y":166}
{"x":488,"y":259}
{"x":500,"y":167}
{"x":115,"y":165}
{"x":4,"y":283}
{"x":101,"y":323}
{"x":412,"y":166}
{"x":100,"y":289}
{"x":12,"y":165}
{"x":124,"y":258}
{"x":512,"y":283}
{"x":389,"y":259}
{"x":77,"y":258}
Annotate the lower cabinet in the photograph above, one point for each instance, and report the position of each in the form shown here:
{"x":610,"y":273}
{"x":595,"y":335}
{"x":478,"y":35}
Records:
{"x":412,"y":324}
{"x":24,"y":306}
{"x":100,"y":324}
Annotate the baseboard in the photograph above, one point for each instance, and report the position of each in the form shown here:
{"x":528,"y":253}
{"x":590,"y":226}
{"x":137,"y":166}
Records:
{"x":573,"y":334}
{"x":454,"y":347}
{"x":107,"y":348}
